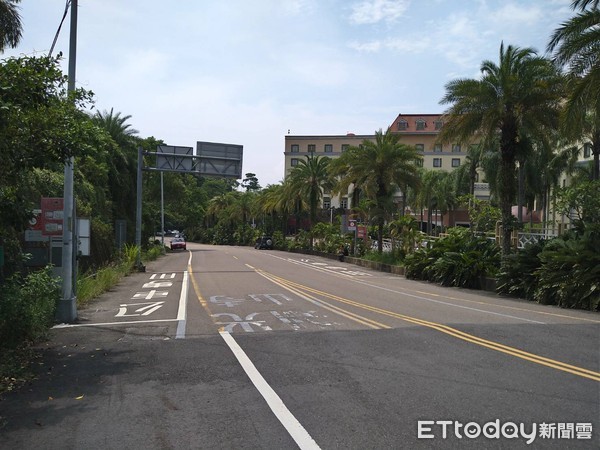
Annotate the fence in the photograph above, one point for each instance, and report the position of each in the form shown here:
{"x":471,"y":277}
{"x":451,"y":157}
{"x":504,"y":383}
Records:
{"x":519,"y":239}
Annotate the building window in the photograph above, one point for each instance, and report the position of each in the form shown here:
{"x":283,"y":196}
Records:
{"x":421,"y":124}
{"x":420,"y":147}
{"x":295,"y":148}
{"x":326,"y":203}
{"x":587,"y":150}
{"x":295,"y":162}
{"x":455,"y":162}
{"x":345,"y":147}
{"x":419,"y":163}
{"x":437,"y":148}
{"x":328,"y":148}
{"x":344,"y":203}
{"x":312,"y":148}
{"x":438,"y":124}
{"x":402,"y":125}
{"x":437,"y":162}
{"x":456,"y":148}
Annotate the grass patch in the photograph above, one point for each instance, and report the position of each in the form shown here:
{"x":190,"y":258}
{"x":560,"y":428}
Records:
{"x":384,"y":258}
{"x":91,"y":285}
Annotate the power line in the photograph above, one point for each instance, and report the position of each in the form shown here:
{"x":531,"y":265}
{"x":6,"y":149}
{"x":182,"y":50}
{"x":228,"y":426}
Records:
{"x":59,"y":27}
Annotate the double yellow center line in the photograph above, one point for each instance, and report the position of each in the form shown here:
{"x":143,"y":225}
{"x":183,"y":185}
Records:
{"x":306,"y":293}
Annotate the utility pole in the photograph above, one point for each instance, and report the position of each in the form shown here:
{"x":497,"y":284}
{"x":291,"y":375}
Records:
{"x":138,"y":215}
{"x":67,"y":306}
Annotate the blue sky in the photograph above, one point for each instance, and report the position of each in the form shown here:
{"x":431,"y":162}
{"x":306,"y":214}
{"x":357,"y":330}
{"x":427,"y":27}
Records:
{"x":245,"y":72}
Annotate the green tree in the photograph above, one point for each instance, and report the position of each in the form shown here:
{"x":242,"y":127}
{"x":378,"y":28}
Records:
{"x":378,"y":168}
{"x":476,"y":154}
{"x":515,"y":99}
{"x":250,"y":183}
{"x":41,"y":126}
{"x":122,"y":163}
{"x":117,"y":127}
{"x":11,"y":29}
{"x":309,"y":179}
{"x":269,"y":203}
{"x":576,"y":45}
{"x":437,"y":191}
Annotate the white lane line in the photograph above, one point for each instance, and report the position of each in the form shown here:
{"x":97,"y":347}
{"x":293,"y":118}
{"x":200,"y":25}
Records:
{"x":287,"y":419}
{"x":450,"y":304}
{"x":181,"y":311}
{"x":106,"y":324}
{"x":363,"y":282}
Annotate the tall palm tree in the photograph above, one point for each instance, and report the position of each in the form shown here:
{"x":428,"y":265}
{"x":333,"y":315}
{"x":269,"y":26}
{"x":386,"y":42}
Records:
{"x":543,"y":171}
{"x":123,"y":161}
{"x":378,"y":168}
{"x":11,"y":28}
{"x":466,"y":174}
{"x":517,"y":98}
{"x":576,"y":45}
{"x":437,"y":192}
{"x":309,"y":179}
{"x":269,"y":203}
{"x":116,"y":125}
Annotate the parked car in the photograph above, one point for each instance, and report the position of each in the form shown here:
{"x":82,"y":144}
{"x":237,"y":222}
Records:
{"x":178,"y":243}
{"x":264,"y":242}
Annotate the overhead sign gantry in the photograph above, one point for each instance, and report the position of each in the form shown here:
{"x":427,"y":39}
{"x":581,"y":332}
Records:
{"x":212,"y":159}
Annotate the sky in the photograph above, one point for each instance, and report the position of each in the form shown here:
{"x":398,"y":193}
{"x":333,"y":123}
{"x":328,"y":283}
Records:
{"x":249,"y":72}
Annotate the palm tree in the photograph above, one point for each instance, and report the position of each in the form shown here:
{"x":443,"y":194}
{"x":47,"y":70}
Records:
{"x":116,"y":125}
{"x":123,"y":161}
{"x":437,"y":191}
{"x":309,"y":179}
{"x":271,"y":201}
{"x":466,"y":174}
{"x":515,"y":99}
{"x":222,"y":208}
{"x":576,"y":44}
{"x":543,"y":171}
{"x":11,"y":29}
{"x":378,"y":168}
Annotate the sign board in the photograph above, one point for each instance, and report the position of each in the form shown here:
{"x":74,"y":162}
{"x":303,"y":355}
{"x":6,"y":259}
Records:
{"x":174,"y":159}
{"x":219,"y":160}
{"x":352,"y":225}
{"x":52,"y":216}
{"x":83,"y":235}
{"x":361,"y":232}
{"x":34,"y":232}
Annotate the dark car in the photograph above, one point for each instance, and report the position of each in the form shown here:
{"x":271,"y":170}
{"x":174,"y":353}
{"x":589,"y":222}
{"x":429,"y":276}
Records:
{"x":178,"y":243}
{"x":264,"y":242}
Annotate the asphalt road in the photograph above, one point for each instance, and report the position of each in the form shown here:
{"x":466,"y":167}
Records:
{"x":230,"y":348}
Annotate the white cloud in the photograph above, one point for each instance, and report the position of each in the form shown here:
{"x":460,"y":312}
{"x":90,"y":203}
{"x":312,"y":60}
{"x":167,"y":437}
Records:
{"x":374,"y":11}
{"x":297,"y":7}
{"x":367,"y":47}
{"x":516,"y":15}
